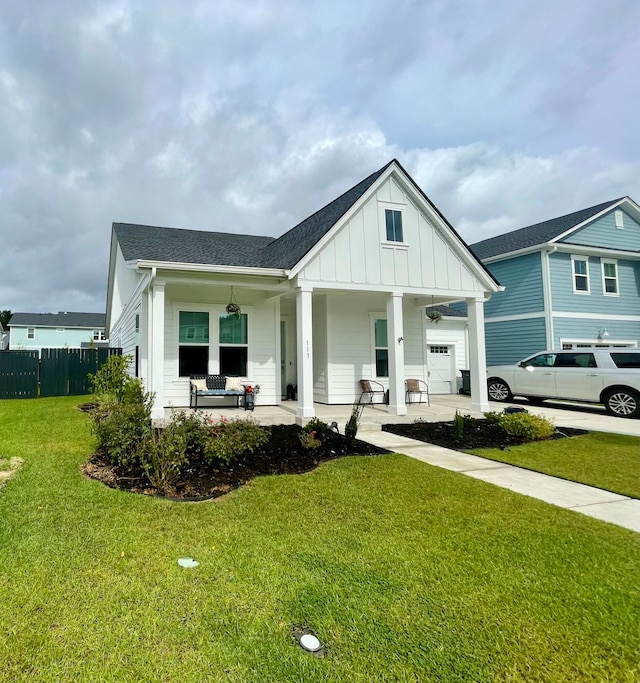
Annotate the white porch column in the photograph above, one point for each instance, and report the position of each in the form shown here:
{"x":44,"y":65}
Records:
{"x":157,"y":348}
{"x":304,"y":328}
{"x":477,"y":356}
{"x":395,"y":344}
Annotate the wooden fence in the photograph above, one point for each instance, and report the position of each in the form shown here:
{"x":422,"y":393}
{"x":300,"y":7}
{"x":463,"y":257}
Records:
{"x":52,"y":372}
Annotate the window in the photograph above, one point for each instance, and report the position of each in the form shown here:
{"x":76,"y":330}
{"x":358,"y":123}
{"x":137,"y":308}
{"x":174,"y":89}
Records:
{"x":381,"y":348}
{"x":575,"y":360}
{"x":234,"y":346}
{"x":193,"y":343}
{"x":544,"y":360}
{"x":98,"y":335}
{"x":137,"y":322}
{"x":626,"y":360}
{"x":619,"y":220}
{"x":393,"y":221}
{"x":580,"y":275}
{"x":31,"y":332}
{"x":438,"y":349}
{"x":609,"y":277}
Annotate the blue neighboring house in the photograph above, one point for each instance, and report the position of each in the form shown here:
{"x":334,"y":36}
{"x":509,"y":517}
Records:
{"x":571,"y":282}
{"x":36,"y":331}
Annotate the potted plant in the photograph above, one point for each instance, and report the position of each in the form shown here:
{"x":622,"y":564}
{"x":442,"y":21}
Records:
{"x":434,"y":316}
{"x":233,"y":308}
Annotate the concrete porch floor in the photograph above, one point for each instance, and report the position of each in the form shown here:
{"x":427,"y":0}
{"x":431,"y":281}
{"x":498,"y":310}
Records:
{"x":443,"y":407}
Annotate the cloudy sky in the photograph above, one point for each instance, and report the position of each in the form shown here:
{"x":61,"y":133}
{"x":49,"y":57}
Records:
{"x":247,"y":116}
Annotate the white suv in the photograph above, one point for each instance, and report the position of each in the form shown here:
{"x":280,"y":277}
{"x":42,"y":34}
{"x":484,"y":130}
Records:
{"x":599,"y":375}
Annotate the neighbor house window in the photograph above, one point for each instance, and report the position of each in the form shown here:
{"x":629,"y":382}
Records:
{"x":609,"y":277}
{"x":137,"y":322}
{"x":381,"y":348}
{"x":31,"y":332}
{"x":580,"y":275}
{"x":234,"y":347}
{"x":98,"y":335}
{"x":393,"y":221}
{"x":193,"y":343}
{"x":619,"y":220}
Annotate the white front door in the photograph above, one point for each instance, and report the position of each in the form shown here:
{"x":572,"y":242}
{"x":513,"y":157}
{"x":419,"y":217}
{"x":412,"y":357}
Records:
{"x":440,"y":366}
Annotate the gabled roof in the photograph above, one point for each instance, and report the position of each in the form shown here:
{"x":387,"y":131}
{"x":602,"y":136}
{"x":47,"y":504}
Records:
{"x":537,"y":234}
{"x":149,"y":243}
{"x":60,"y":319}
{"x":287,"y":250}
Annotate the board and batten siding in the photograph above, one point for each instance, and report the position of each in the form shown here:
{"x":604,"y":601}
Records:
{"x":603,"y":232}
{"x":350,"y":344}
{"x":522,"y":278}
{"x":262,"y":353}
{"x":359,"y":252}
{"x":565,"y":299}
{"x":513,"y":340}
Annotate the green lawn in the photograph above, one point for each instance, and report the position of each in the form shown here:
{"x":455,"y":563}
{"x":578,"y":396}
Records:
{"x":607,"y":461}
{"x":407,"y":572}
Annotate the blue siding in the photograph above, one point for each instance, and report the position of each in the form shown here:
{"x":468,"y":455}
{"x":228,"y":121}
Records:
{"x":587,"y":328}
{"x":564,"y":298}
{"x":522,"y":277}
{"x":603,"y":233}
{"x":509,"y":342}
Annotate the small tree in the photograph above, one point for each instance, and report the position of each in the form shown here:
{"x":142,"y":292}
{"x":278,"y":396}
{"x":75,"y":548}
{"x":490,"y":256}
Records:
{"x":351,"y":428}
{"x":5,"y":316}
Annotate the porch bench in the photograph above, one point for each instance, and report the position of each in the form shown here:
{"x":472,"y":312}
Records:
{"x":215,"y":386}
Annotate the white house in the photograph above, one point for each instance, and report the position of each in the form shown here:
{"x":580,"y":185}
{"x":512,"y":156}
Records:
{"x":338,"y":298}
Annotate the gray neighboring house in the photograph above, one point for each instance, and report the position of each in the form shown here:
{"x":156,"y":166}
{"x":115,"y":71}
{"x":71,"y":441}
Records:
{"x":35,"y":331}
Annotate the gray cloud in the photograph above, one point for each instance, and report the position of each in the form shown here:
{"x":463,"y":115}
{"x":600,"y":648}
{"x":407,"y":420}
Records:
{"x":200,"y":115}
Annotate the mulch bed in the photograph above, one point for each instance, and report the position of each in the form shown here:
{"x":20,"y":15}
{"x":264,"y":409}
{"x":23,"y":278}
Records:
{"x":482,"y":435}
{"x":282,"y":454}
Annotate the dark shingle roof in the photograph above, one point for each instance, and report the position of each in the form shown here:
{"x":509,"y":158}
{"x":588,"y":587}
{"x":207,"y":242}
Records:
{"x":60,"y":319}
{"x":287,"y":250}
{"x":145,"y":242}
{"x":540,"y":233}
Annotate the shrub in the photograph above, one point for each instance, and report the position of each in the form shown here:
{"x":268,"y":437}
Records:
{"x":121,"y":428}
{"x":458,"y":427}
{"x":308,"y":439}
{"x":112,"y":379}
{"x":316,"y":425}
{"x":492,"y":417}
{"x":351,"y":428}
{"x":232,"y":438}
{"x":162,"y":456}
{"x":529,"y":427}
{"x":194,"y":429}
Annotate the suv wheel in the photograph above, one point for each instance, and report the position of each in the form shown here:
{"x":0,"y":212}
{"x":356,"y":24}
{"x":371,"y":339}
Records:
{"x":499,"y":390}
{"x":623,"y":403}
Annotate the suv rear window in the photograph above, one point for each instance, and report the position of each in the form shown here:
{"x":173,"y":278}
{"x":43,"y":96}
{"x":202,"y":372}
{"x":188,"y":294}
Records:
{"x":626,"y":360}
{"x":575,"y":360}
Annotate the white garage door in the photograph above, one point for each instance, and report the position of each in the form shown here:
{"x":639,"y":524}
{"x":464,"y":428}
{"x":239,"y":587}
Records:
{"x":439,"y":364}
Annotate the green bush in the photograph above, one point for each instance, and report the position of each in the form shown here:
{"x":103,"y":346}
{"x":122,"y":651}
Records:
{"x":112,"y":379}
{"x":194,"y":429}
{"x":493,"y":417}
{"x":309,"y":440}
{"x":122,"y":428}
{"x":162,"y":456}
{"x":528,"y":426}
{"x":351,"y":428}
{"x":231,"y":438}
{"x":316,"y":425}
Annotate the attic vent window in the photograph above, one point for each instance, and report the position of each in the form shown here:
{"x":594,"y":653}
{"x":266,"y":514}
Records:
{"x":393,"y":220}
{"x":619,"y":220}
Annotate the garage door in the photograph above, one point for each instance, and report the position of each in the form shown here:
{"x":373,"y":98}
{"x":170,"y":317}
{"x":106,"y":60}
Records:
{"x":439,"y":361}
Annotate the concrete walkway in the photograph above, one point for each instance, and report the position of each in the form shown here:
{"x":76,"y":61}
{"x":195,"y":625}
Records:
{"x":603,"y":505}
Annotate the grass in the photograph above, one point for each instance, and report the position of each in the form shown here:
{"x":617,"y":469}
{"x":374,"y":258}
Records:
{"x":406,"y":572}
{"x":606,"y":461}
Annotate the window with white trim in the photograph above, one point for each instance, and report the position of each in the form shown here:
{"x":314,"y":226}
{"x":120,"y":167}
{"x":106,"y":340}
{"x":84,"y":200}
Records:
{"x":193,"y":343}
{"x":381,"y":347}
{"x":580,"y":266}
{"x":31,"y":332}
{"x":234,"y":344}
{"x":393,"y":223}
{"x":609,"y":277}
{"x":98,"y":335}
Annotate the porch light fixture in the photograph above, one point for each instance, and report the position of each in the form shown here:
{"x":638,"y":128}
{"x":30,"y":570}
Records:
{"x":602,"y":333}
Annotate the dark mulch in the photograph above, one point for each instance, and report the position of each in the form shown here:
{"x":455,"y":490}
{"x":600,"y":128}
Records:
{"x":282,"y":454}
{"x":482,"y":435}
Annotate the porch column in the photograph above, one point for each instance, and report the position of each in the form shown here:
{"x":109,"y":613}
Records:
{"x":157,"y":348}
{"x":395,"y":344}
{"x":477,"y":356}
{"x":304,"y":328}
